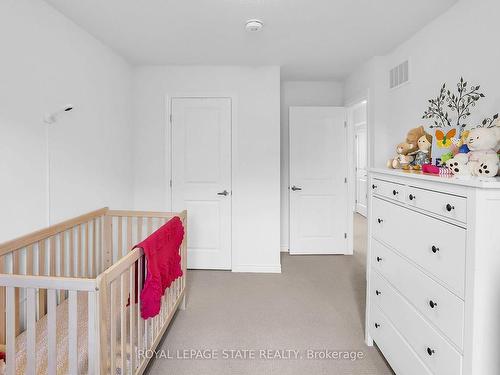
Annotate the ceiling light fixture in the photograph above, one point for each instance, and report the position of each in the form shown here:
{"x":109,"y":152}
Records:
{"x":254,"y":26}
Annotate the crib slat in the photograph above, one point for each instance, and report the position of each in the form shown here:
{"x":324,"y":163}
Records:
{"x":139,"y":229}
{"x":2,"y":305}
{"x":52,"y":262}
{"x":72,"y":332}
{"x":42,"y":293}
{"x":72,"y":252}
{"x":129,"y":233}
{"x":62,"y":252}
{"x":108,"y":242}
{"x":112,"y":323}
{"x":120,"y":251}
{"x":150,"y":225}
{"x":79,"y":250}
{"x":92,"y":334}
{"x":16,"y":271}
{"x":11,"y":333}
{"x":123,"y":326}
{"x":31,"y":332}
{"x":140,"y":336}
{"x":98,"y":251}
{"x":62,"y":260}
{"x":29,"y":260}
{"x":51,"y":328}
{"x":86,"y":251}
{"x":94,"y":248}
{"x":132,"y":316}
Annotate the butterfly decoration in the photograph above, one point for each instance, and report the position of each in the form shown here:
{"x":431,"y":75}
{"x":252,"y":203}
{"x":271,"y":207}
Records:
{"x":445,"y":140}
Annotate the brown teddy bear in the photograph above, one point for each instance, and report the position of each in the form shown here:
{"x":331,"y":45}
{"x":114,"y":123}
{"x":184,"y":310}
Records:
{"x":407,"y":149}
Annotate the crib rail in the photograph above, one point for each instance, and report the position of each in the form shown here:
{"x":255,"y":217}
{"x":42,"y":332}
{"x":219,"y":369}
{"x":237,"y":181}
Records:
{"x":128,"y":333}
{"x":71,"y":248}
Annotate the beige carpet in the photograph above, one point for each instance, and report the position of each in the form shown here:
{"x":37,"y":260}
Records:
{"x":317,"y":303}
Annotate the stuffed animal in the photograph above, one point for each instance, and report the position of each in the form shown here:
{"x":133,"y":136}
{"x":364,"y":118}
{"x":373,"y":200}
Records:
{"x":423,"y":155}
{"x":403,"y":158}
{"x":482,"y":159}
{"x":406,"y":149}
{"x":483,"y":145}
{"x":459,"y":165}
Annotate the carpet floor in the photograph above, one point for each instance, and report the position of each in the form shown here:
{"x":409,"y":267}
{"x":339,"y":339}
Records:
{"x":275,"y":323}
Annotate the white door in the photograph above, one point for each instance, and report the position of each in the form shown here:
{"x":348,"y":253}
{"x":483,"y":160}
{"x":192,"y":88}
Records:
{"x":361,"y":172}
{"x":201,"y":177}
{"x":318,"y":180}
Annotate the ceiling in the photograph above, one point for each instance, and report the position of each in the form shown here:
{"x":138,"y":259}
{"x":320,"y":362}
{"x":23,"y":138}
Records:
{"x":310,"y":39}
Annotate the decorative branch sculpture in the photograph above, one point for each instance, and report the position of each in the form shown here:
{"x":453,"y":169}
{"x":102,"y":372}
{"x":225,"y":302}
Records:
{"x":460,"y":103}
{"x":436,"y":110}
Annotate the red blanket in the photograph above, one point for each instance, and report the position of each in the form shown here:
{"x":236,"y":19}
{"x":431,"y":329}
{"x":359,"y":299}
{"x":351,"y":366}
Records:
{"x":161,"y":249}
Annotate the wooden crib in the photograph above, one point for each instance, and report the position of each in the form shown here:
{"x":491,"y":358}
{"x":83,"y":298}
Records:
{"x":67,"y":293}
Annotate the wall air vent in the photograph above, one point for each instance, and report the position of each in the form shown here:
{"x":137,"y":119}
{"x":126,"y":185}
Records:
{"x":399,"y":75}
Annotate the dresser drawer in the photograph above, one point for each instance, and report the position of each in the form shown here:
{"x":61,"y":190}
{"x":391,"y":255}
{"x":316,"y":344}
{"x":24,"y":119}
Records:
{"x":397,"y":351}
{"x":389,"y":190}
{"x":441,"y":307}
{"x":446,"y":205}
{"x":435,"y":245}
{"x":430,"y":346}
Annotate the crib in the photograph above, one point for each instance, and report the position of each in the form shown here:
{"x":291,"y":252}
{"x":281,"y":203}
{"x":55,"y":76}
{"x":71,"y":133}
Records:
{"x":67,"y":296}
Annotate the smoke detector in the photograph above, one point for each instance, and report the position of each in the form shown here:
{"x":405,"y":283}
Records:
{"x":254,"y":26}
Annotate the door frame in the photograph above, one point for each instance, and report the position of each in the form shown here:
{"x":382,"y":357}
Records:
{"x":365,"y":97}
{"x":356,"y":187}
{"x":169,"y":152}
{"x":349,"y":250}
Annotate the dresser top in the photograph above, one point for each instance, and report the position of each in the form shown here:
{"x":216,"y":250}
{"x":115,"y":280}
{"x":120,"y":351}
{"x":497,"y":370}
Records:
{"x":478,"y":182}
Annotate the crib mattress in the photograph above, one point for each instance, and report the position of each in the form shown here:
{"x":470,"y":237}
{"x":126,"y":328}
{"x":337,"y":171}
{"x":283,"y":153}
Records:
{"x":61,"y":340}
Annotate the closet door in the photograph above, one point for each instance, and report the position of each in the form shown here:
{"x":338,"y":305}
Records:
{"x":318,"y":181}
{"x":201,"y":177}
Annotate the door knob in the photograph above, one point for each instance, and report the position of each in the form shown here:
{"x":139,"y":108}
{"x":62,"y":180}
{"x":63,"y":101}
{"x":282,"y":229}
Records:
{"x":225,"y":193}
{"x":295,"y":188}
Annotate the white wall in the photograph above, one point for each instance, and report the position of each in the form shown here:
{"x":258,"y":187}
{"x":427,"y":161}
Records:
{"x":256,"y":153}
{"x":461,"y":42}
{"x":46,"y":62}
{"x":300,"y":93}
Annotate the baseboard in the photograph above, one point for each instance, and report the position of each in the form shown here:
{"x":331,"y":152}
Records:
{"x":258,"y":268}
{"x":284,"y":249}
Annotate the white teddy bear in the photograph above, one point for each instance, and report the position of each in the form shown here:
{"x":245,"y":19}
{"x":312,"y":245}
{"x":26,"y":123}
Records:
{"x":482,"y":160}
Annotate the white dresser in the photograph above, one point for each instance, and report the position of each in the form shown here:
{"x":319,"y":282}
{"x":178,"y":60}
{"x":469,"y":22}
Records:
{"x":433,"y":273}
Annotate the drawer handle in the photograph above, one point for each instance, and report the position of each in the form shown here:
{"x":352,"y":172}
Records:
{"x":379,"y":259}
{"x":434,"y":249}
{"x":378,"y":293}
{"x":449,"y":207}
{"x":432,"y":304}
{"x":377,"y":325}
{"x":380,"y":221}
{"x":412,"y":197}
{"x":374,"y":186}
{"x":430,"y":351}
{"x":395,"y":192}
